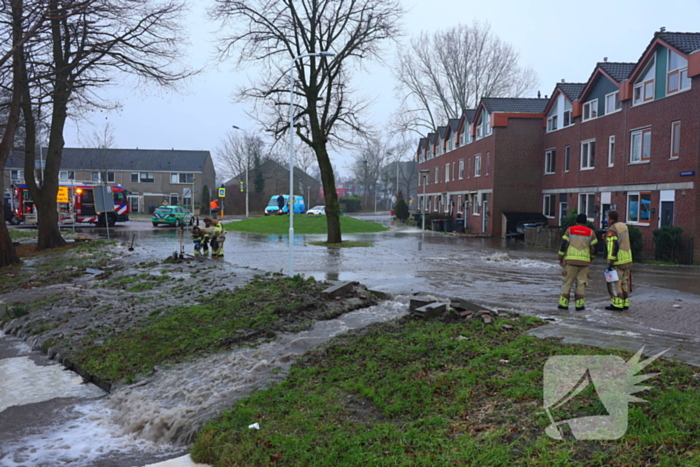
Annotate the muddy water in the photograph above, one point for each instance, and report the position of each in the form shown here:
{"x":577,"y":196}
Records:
{"x":154,"y":419}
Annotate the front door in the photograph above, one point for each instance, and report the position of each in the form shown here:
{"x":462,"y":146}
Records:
{"x":666,"y":213}
{"x":563,"y":209}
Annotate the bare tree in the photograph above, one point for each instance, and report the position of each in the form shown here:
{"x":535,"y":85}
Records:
{"x":88,"y":44}
{"x":442,"y":74}
{"x":19,"y":25}
{"x":102,"y":138}
{"x":368,"y":165}
{"x":235,"y":150}
{"x":279,"y":33}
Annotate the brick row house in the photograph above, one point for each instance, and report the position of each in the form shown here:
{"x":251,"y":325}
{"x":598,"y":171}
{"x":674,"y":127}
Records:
{"x":627,"y":139}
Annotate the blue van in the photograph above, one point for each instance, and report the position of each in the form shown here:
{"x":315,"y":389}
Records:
{"x":273,"y":208}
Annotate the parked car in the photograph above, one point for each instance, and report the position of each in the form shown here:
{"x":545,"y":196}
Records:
{"x":172,"y":215}
{"x":317,"y":210}
{"x":273,"y":208}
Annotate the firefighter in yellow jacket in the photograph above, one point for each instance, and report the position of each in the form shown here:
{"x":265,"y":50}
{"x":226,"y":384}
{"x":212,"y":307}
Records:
{"x":575,"y":255}
{"x":217,"y":235}
{"x":617,"y":241}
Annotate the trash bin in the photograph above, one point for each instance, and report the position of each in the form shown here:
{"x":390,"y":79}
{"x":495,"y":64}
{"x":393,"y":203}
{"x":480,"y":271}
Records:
{"x":460,"y":225}
{"x":447,"y":224}
{"x":151,"y":209}
{"x":392,"y":212}
{"x":438,"y":225}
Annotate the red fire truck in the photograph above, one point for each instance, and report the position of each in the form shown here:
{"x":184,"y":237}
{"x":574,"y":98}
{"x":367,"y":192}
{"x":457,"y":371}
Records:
{"x":76,"y":204}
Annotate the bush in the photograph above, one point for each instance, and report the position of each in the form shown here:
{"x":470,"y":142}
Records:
{"x":351,"y":203}
{"x":668,"y":241}
{"x":636,"y":242}
{"x":401,"y":208}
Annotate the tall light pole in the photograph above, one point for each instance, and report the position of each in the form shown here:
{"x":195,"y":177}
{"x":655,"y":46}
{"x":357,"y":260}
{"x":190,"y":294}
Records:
{"x":424,"y":173}
{"x":247,"y":162}
{"x":290,"y":202}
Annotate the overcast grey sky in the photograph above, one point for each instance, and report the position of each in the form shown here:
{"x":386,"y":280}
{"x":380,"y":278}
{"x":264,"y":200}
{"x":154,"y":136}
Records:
{"x":559,"y":40}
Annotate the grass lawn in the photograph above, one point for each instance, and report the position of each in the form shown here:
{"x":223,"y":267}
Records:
{"x":416,"y":393}
{"x":303,"y":224}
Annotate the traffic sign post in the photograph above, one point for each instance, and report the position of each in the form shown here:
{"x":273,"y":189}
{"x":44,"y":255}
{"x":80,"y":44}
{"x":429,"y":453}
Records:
{"x":222,"y":195}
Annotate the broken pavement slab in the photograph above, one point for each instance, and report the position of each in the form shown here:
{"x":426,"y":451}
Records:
{"x":431,"y":310}
{"x":337,"y":290}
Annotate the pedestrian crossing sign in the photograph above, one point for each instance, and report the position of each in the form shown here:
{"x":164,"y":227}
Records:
{"x":222,"y":192}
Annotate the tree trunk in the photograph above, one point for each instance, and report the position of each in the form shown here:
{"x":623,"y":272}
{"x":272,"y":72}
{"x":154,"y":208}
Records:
{"x":330,"y":194}
{"x":8,"y":256}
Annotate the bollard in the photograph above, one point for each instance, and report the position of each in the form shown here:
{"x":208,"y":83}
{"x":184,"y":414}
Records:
{"x":420,"y":245}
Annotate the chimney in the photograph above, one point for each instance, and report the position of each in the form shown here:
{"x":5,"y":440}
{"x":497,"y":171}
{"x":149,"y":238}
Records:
{"x":605,"y":59}
{"x":663,"y":29}
{"x":563,"y":80}
{"x":539,"y":95}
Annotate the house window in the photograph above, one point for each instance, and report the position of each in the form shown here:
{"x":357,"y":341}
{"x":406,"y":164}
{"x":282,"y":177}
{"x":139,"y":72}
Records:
{"x":437,"y":175}
{"x":488,"y":124}
{"x":567,"y":158}
{"x":639,"y":207}
{"x":477,"y":205}
{"x":134,"y":177}
{"x":675,"y":139}
{"x":552,"y":123}
{"x":469,"y":166}
{"x":65,"y":175}
{"x":641,"y":145}
{"x":611,"y":150}
{"x":181,"y":178}
{"x":488,"y":162}
{"x":16,"y":175}
{"x":588,"y":154}
{"x":146,"y":177}
{"x":677,"y":78}
{"x":477,"y":165}
{"x":590,"y":110}
{"x":548,"y":206}
{"x":568,"y":119}
{"x":447,"y":172}
{"x":586,"y":205}
{"x":461,"y":169}
{"x":100,"y":176}
{"x":612,"y":102}
{"x":644,"y":87}
{"x":450,"y":145}
{"x":549,"y":160}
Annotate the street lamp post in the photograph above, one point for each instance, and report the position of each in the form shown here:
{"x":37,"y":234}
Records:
{"x":247,"y":162}
{"x":424,"y":173}
{"x":290,"y":202}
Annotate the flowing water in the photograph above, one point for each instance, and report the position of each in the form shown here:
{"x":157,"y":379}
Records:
{"x":152,"y":420}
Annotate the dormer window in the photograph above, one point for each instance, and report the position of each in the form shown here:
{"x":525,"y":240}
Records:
{"x":590,"y":110}
{"x":552,"y":123}
{"x":488,"y":124}
{"x":612,"y":102}
{"x":644,"y":87}
{"x":677,"y":78}
{"x":568,"y":119}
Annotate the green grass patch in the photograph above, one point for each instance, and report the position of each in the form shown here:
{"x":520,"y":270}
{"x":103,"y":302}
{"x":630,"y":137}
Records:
{"x":420,"y":393}
{"x":279,"y":225}
{"x":214,"y":324}
{"x":19,"y":235}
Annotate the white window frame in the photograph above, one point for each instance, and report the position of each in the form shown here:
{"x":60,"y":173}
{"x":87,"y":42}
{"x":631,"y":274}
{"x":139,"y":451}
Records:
{"x":552,"y":123}
{"x":639,"y":195}
{"x":567,"y":158}
{"x":145,"y":176}
{"x":675,"y":139}
{"x":476,"y":210}
{"x":549,"y":201}
{"x":135,"y":177}
{"x":477,"y":165}
{"x":488,"y":124}
{"x":639,"y":93}
{"x":17,"y":174}
{"x":681,"y":71}
{"x":550,"y":161}
{"x":568,"y":113}
{"x":592,"y":107}
{"x":587,"y":160}
{"x":461,"y":169}
{"x":65,"y":175}
{"x":617,"y":105}
{"x":587,"y":199}
{"x":641,"y":133}
{"x":437,"y":174}
{"x":447,"y":172}
{"x":611,"y":151}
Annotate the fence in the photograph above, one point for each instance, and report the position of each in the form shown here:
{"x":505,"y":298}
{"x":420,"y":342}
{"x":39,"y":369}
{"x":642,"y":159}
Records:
{"x":550,"y":237}
{"x":681,"y":254}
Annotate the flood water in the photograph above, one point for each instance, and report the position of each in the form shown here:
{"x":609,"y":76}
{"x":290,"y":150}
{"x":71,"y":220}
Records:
{"x":54,"y":420}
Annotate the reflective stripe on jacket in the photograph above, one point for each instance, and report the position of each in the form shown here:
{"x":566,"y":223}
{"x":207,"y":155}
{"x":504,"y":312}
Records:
{"x":577,"y":245}
{"x":618,"y":243}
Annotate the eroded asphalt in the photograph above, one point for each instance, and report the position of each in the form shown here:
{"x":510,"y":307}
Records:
{"x":507,"y":275}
